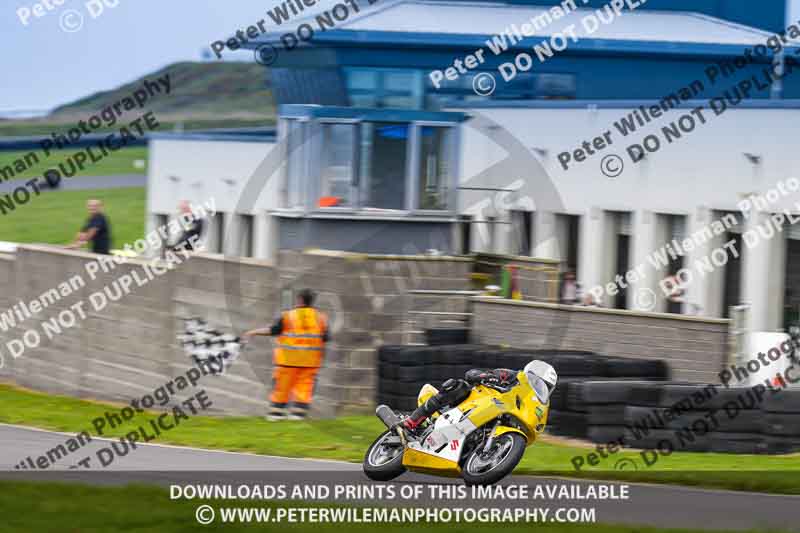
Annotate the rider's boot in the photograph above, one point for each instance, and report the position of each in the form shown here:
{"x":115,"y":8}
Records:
{"x":453,"y":392}
{"x":413,"y":424}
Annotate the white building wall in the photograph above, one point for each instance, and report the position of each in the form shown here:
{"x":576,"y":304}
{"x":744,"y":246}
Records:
{"x":202,"y":169}
{"x":704,"y":172}
{"x":698,"y":175}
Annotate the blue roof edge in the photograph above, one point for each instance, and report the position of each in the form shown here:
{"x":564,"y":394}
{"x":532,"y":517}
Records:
{"x":755,"y":103}
{"x":586,"y":45}
{"x":367,"y":113}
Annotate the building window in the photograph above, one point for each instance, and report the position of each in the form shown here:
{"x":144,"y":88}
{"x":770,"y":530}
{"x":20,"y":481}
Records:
{"x":555,"y":86}
{"x":362,"y":85}
{"x":401,"y":89}
{"x":384,"y":87}
{"x":354,"y":164}
{"x":296,"y":162}
{"x":384,"y":154}
{"x":435,"y":172}
{"x":524,"y":86}
{"x":337,"y":171}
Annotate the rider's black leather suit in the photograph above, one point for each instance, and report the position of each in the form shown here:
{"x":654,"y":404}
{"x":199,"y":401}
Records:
{"x":455,"y":391}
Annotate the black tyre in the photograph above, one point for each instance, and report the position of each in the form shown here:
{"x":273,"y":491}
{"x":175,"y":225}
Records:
{"x":582,"y":394}
{"x":445,"y":336}
{"x":411,"y":374}
{"x":388,"y":352}
{"x":617,"y":367}
{"x":784,"y":424}
{"x":644,"y":417}
{"x":788,"y":401}
{"x":742,"y":443}
{"x":606,"y":415}
{"x":745,"y":421}
{"x":384,"y":459}
{"x":567,"y":424}
{"x":577,"y":365}
{"x":645,"y":395}
{"x":606,"y":434}
{"x":489,"y":468}
{"x":780,"y":445}
{"x":694,"y":396}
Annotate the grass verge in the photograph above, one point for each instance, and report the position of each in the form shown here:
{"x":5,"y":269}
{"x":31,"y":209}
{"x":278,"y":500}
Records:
{"x":55,"y":217}
{"x":123,"y":161}
{"x":347,"y":438}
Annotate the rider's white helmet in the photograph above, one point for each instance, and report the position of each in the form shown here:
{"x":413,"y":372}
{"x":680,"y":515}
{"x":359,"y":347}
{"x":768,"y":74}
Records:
{"x":542,"y":378}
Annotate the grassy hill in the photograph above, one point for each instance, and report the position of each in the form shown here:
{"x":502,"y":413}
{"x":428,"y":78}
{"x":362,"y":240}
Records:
{"x":204,"y":95}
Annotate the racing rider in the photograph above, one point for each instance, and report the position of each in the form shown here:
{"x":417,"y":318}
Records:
{"x":455,"y":391}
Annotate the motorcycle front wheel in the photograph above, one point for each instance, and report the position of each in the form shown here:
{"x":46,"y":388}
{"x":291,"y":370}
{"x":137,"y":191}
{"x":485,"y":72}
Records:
{"x":490,"y":466}
{"x":384,"y":459}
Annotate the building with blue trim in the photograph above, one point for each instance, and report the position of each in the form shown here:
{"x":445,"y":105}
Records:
{"x":402,"y":129}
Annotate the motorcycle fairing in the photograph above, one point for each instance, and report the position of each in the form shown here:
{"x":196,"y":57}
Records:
{"x":440,"y":450}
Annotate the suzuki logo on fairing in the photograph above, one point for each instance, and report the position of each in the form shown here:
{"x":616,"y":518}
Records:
{"x":454,"y":444}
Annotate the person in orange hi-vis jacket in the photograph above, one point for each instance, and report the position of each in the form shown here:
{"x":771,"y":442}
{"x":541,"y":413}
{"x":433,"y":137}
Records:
{"x":302,"y":334}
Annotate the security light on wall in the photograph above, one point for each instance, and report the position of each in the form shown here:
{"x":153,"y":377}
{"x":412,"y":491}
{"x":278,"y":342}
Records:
{"x":229,"y":182}
{"x":174,"y":179}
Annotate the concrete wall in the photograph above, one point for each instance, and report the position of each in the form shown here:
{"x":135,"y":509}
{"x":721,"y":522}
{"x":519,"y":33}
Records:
{"x":375,"y":235}
{"x":694,"y":348}
{"x":129,"y":348}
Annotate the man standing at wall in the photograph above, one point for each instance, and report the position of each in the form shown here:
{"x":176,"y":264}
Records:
{"x":302,"y":334}
{"x":193,"y":227}
{"x":97,"y":230}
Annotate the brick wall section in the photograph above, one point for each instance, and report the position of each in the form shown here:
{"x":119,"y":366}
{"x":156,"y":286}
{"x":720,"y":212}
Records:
{"x":7,"y":295}
{"x":129,"y":348}
{"x":695,"y":348}
{"x":364,"y":296}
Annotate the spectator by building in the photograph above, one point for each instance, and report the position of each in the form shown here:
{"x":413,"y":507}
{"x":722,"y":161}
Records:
{"x":97,"y":230}
{"x":571,"y":293}
{"x":193,"y":227}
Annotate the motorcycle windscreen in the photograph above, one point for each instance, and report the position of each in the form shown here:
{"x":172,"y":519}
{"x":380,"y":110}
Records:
{"x":539,"y":387}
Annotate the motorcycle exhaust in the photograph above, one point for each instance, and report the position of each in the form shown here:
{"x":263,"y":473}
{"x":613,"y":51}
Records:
{"x":387,"y":416}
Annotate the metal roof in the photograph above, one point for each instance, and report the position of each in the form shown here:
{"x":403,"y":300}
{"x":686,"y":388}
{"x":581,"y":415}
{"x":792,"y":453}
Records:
{"x":457,"y":23}
{"x":492,"y":18}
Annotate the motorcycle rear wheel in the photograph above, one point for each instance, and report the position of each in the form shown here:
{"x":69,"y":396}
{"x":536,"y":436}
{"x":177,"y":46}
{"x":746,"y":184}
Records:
{"x":490,"y":467}
{"x":383,"y":461}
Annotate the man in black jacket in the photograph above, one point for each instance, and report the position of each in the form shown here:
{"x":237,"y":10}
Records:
{"x":96,"y":230}
{"x":193,"y":228}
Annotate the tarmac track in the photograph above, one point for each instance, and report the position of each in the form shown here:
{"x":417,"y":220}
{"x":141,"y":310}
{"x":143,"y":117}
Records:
{"x":654,"y":505}
{"x":82,"y":183}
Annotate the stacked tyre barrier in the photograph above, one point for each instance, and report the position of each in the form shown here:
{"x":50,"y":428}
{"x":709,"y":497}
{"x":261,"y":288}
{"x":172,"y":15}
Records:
{"x":403,"y":370}
{"x":445,"y":336}
{"x":674,"y":416}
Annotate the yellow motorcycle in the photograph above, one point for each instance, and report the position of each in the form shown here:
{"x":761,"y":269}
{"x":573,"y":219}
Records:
{"x":482,"y":439}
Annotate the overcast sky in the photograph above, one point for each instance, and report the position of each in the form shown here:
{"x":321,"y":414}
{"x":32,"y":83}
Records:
{"x":44,"y":66}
